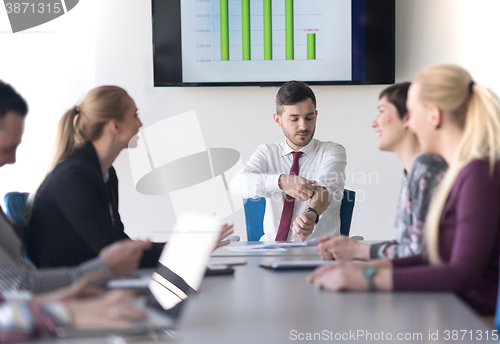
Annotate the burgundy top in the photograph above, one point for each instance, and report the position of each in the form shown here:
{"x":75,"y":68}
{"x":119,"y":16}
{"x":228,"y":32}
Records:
{"x":469,"y":243}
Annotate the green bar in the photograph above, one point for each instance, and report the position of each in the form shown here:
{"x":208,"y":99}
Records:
{"x":224,"y":30}
{"x":311,"y":46}
{"x":245,"y":28}
{"x":268,"y":30}
{"x":289,"y":29}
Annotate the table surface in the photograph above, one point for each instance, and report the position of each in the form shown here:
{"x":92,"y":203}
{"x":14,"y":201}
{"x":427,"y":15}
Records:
{"x":257,"y":305}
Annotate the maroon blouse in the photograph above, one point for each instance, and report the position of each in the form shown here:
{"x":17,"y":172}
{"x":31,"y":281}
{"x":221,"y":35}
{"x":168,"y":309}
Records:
{"x":469,"y":243}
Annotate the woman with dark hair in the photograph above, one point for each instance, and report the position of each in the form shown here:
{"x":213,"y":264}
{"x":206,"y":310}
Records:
{"x":422,"y":174}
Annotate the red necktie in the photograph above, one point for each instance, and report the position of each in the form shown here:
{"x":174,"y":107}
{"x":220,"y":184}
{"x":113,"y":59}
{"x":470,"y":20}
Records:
{"x":286,"y":215}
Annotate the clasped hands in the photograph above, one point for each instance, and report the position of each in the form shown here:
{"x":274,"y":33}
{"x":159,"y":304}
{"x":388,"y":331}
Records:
{"x":340,"y":276}
{"x":301,"y":189}
{"x":342,"y":248}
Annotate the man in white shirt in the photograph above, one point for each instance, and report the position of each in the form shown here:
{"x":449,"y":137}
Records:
{"x":315,"y":193}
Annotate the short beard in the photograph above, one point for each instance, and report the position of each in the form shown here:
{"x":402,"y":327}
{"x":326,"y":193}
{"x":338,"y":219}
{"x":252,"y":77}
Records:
{"x":301,"y":144}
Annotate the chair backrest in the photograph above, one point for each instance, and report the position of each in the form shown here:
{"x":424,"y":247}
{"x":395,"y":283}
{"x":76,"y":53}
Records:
{"x":346,"y":209}
{"x":255,"y":209}
{"x":254,"y":216}
{"x":15,"y":204}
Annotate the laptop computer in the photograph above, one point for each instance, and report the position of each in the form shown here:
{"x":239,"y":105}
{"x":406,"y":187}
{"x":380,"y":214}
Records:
{"x":176,"y":279}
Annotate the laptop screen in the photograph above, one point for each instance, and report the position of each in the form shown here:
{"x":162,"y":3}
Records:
{"x":184,"y":259}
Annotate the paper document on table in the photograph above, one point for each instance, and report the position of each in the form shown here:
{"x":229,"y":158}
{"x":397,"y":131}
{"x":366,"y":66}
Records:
{"x":292,"y":244}
{"x":254,"y":248}
{"x":279,"y":246}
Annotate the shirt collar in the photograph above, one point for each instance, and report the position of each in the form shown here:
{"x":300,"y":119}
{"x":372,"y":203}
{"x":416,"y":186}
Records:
{"x":309,"y":149}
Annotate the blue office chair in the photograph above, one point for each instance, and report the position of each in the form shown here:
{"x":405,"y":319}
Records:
{"x":15,"y":203}
{"x":255,"y":209}
{"x":254,"y":217}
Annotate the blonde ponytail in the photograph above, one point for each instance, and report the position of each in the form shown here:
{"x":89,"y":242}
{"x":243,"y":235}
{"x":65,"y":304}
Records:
{"x":86,"y":121}
{"x":476,"y":110}
{"x":65,"y":140}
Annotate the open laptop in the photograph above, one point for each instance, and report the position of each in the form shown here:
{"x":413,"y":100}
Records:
{"x":176,"y":279}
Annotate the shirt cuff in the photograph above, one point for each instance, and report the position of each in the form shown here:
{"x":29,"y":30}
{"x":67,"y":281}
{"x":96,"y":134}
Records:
{"x":17,"y":295}
{"x":374,"y":250}
{"x":95,"y":266}
{"x":272,"y":185}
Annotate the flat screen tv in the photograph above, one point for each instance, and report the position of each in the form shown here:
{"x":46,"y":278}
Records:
{"x":269,"y":42}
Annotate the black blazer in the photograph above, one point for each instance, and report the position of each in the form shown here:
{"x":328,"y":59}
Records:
{"x":71,"y":219}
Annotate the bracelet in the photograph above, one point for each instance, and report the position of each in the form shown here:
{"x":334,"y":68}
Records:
{"x":369,"y":272}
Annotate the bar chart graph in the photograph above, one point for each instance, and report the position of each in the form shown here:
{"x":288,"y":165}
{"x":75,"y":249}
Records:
{"x":224,"y":30}
{"x":311,"y":46}
{"x":265,"y":39}
{"x":268,"y":30}
{"x":262,"y":26}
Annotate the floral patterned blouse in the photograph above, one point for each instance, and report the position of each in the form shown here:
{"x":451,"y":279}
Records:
{"x":416,"y":193}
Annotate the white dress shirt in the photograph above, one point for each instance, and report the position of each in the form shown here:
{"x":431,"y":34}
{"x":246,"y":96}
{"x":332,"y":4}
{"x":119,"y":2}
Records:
{"x":323,"y":162}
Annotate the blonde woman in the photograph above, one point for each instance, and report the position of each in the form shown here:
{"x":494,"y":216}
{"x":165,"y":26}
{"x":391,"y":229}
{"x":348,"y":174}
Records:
{"x":75,"y":210}
{"x":458,"y":119}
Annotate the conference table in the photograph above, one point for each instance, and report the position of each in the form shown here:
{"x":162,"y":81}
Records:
{"x":258,"y":305}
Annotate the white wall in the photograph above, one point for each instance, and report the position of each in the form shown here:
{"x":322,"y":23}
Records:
{"x":427,"y":32}
{"x":51,"y":65}
{"x":448,"y":31}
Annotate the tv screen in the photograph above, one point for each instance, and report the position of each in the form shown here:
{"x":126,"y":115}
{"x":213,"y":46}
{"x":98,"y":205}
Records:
{"x":269,"y":42}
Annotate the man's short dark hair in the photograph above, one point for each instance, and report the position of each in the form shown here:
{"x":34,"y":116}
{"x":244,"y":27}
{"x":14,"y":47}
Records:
{"x":10,"y":100}
{"x":293,"y":92}
{"x":397,"y":95}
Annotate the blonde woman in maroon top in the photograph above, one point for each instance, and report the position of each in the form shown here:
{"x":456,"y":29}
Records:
{"x":458,"y":119}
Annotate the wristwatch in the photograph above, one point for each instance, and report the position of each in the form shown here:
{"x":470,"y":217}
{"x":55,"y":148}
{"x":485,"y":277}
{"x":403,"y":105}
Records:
{"x":312,"y":210}
{"x":369,"y":272}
